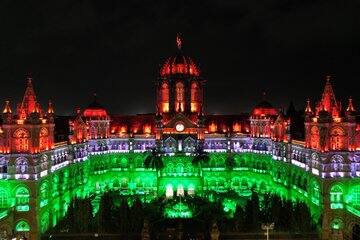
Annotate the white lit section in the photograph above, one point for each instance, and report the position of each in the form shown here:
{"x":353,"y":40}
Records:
{"x":22,"y":176}
{"x":180,"y":191}
{"x":169,"y":191}
{"x":297,"y":163}
{"x":191,"y":190}
{"x":315,"y":171}
{"x":61,"y":165}
{"x":44,"y":173}
{"x":180,"y":146}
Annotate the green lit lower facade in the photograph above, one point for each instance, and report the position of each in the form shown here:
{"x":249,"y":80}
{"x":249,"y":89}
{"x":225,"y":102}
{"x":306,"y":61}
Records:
{"x":34,"y":198}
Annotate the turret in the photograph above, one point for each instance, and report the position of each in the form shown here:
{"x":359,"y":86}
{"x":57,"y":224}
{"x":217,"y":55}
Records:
{"x":50,"y":112}
{"x":7,"y":113}
{"x":308,"y":111}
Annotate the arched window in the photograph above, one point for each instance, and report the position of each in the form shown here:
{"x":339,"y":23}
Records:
{"x":21,"y":140}
{"x":180,"y":97}
{"x":195,"y":97}
{"x":55,"y":186}
{"x":43,"y":139}
{"x":4,"y":199}
{"x":337,"y":163}
{"x":44,"y":162}
{"x":44,"y":222}
{"x":44,"y":193}
{"x":92,"y":132}
{"x":22,"y":199}
{"x":355,"y":197}
{"x":3,"y":165}
{"x":336,"y":197}
{"x":315,"y":137}
{"x":315,"y":192}
{"x":164,"y":97}
{"x":337,"y":224}
{"x":22,"y":226}
{"x":21,"y":166}
{"x":337,"y":138}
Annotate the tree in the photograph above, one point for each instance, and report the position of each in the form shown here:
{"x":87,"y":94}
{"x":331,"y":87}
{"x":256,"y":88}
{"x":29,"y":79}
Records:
{"x":104,"y":214}
{"x":153,"y":159}
{"x":230,"y":161}
{"x":200,"y":156}
{"x":252,"y":212}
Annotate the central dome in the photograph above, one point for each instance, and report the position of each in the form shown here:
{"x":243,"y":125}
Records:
{"x":179,"y":64}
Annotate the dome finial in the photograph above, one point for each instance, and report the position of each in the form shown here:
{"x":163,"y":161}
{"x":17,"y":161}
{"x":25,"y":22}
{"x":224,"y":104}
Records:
{"x":328,"y":78}
{"x":178,"y":41}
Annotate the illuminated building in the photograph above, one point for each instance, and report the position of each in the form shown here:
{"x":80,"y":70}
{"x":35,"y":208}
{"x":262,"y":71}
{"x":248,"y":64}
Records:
{"x":39,"y":177}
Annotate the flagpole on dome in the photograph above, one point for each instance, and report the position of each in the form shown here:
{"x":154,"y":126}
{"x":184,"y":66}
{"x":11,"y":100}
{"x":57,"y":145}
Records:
{"x":178,"y":41}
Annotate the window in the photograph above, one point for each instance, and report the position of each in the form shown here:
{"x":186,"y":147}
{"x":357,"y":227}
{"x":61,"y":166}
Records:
{"x":314,"y":141}
{"x":22,"y":226}
{"x":44,"y":222}
{"x":180,"y":97}
{"x":22,"y":199}
{"x":43,"y":139}
{"x":355,"y":197}
{"x":3,"y":198}
{"x":315,"y":192}
{"x":336,"y":197}
{"x":3,"y":165}
{"x":21,"y":140}
{"x":21,"y":166}
{"x":164,"y":97}
{"x":337,"y":138}
{"x":195,"y":97}
{"x":44,"y":190}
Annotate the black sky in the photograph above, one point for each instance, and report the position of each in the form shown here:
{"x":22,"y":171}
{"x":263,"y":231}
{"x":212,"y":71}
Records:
{"x":114,"y":48}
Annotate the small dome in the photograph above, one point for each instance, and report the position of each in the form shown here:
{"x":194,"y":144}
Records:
{"x":95,"y":110}
{"x":264,"y":108}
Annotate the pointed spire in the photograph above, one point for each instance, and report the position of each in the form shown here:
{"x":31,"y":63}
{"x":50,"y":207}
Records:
{"x":308,"y":106}
{"x":50,"y":108}
{"x":7,"y":108}
{"x":328,"y":78}
{"x":178,"y":41}
{"x":29,"y":103}
{"x":328,"y":97}
{"x":350,"y":107}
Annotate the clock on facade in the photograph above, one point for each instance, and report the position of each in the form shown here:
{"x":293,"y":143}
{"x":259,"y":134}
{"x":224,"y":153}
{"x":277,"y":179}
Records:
{"x":179,"y":127}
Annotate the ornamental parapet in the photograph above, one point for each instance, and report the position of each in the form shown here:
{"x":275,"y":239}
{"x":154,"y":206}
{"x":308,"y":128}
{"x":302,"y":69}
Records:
{"x":331,"y":164}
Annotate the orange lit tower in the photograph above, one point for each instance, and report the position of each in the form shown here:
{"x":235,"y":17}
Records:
{"x":92,"y":123}
{"x":330,"y":128}
{"x":31,"y":130}
{"x":179,"y":92}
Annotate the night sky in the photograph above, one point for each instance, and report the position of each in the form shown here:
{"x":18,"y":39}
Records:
{"x":114,"y":48}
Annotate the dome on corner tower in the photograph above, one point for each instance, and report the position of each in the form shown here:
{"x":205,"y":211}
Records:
{"x":179,"y":64}
{"x":96,"y":110}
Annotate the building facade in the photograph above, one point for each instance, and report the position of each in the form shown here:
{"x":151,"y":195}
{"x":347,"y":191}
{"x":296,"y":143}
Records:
{"x":38,"y":177}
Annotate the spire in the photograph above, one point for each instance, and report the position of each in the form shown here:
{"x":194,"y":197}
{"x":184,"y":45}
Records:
{"x":350,"y":107}
{"x":178,"y":41}
{"x":50,"y":108}
{"x":308,"y":106}
{"x":7,"y":108}
{"x":29,"y":103}
{"x":328,"y":97}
